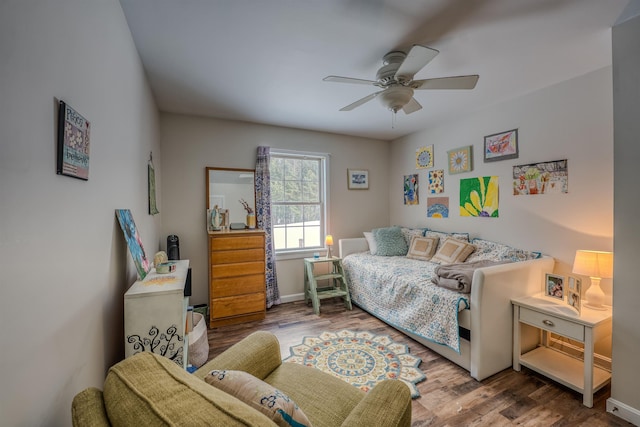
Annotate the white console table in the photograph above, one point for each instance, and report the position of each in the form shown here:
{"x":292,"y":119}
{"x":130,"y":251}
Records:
{"x":155,"y":315}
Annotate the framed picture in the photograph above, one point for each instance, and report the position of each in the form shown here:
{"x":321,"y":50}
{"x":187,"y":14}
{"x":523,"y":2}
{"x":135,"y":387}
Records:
{"x":358,"y":179}
{"x":73,"y":143}
{"x":574,"y":288}
{"x":411,"y":189}
{"x":501,"y":146}
{"x":134,"y":242}
{"x":460,"y":159}
{"x":541,"y":178}
{"x":424,"y":157}
{"x":554,"y":286}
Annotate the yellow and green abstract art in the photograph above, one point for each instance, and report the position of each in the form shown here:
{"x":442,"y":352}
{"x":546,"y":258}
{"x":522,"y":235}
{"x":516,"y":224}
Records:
{"x":479,"y":197}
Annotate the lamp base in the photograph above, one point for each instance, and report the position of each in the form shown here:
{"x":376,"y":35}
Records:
{"x":594,"y":295}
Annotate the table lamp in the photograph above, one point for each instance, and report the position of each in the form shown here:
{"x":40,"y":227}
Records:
{"x":329,"y":242}
{"x":597,"y":265}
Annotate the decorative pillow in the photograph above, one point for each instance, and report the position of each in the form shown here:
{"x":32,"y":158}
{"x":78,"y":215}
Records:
{"x":390,"y":242}
{"x":463,"y":237}
{"x":408,"y":233}
{"x":371,"y":242}
{"x":486,"y":249}
{"x":422,"y":248}
{"x":453,"y":251}
{"x":259,"y":395}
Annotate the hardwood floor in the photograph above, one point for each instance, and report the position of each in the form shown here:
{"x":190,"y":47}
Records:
{"x":449,"y":396}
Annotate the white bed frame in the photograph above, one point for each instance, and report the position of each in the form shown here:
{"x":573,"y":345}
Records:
{"x":490,"y":317}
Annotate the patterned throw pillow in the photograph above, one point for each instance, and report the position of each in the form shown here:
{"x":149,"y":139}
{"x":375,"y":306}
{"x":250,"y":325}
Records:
{"x":422,"y":248}
{"x":453,"y":251}
{"x":486,"y":249}
{"x":371,"y":242}
{"x":408,"y":233}
{"x":259,"y":395}
{"x":390,"y":241}
{"x":463,"y":237}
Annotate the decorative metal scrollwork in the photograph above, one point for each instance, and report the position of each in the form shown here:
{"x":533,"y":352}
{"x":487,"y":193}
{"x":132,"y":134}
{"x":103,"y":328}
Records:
{"x":167,"y":344}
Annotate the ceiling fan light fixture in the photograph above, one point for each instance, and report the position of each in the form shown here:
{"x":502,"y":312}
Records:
{"x":395,"y":97}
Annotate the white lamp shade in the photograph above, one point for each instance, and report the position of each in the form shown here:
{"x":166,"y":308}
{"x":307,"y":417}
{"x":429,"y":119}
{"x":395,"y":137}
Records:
{"x":593,"y":264}
{"x":328,"y":240}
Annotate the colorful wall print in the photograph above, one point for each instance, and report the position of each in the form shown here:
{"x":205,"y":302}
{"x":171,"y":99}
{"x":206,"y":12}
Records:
{"x":74,"y":133}
{"x":424,"y":157}
{"x":436,"y":181}
{"x":133,"y":241}
{"x":501,"y":146}
{"x":411,"y":189}
{"x":479,"y":197}
{"x":541,"y":178}
{"x":151,"y":178}
{"x":460,"y":159}
{"x":437,"y":207}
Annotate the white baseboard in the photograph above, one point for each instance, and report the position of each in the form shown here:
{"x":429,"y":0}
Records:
{"x":292,"y":298}
{"x":623,"y":411}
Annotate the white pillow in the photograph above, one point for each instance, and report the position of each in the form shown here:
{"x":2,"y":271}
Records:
{"x":373,"y":248}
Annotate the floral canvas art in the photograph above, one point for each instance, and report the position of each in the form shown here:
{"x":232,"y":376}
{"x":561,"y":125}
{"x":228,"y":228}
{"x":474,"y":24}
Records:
{"x":134,"y":242}
{"x":479,"y":197}
{"x":411,"y":189}
{"x":424,"y":157}
{"x":436,"y":181}
{"x":437,"y":207}
{"x":460,"y":160}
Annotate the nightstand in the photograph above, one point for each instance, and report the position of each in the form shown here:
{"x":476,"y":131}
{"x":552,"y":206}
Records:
{"x":546,"y":315}
{"x":337,"y":285}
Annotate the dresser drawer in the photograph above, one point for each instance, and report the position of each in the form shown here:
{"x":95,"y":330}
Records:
{"x":232,"y":257}
{"x":237,"y":242}
{"x":552,"y":324}
{"x":239,"y":269}
{"x":236,"y":306}
{"x":237,"y":285}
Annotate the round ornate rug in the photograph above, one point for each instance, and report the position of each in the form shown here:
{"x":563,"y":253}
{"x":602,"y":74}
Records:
{"x":359,"y":358}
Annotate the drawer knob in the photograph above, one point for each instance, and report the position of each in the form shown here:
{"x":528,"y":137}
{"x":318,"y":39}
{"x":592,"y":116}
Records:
{"x":548,"y":322}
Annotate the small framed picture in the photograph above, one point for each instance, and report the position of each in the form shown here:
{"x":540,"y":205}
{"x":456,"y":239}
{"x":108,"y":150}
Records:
{"x":501,"y":146}
{"x":358,"y":179}
{"x":554,"y":286}
{"x":574,"y":287}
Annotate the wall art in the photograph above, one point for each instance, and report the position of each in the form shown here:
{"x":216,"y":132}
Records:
{"x":358,"y":179}
{"x":151,"y":180}
{"x":541,"y":178}
{"x":74,"y":133}
{"x":437,"y":207}
{"x":134,"y":242}
{"x":460,"y":159}
{"x":411,"y":189}
{"x":501,"y":146}
{"x":436,"y":181}
{"x":424,"y":157}
{"x":479,"y":197}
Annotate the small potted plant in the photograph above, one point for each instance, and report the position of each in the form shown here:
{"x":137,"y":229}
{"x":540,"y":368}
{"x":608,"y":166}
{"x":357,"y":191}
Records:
{"x":251,"y":217}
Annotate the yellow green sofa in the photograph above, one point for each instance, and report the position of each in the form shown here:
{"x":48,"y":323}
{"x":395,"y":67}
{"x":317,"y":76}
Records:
{"x":150,"y":390}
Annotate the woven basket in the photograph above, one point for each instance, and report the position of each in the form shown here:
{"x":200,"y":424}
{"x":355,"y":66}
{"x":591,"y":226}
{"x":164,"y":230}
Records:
{"x":198,"y":342}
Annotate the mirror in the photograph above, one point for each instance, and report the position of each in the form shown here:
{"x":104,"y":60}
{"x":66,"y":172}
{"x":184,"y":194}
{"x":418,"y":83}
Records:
{"x":225,"y":188}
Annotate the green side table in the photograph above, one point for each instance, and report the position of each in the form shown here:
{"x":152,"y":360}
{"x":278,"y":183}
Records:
{"x":336,"y":286}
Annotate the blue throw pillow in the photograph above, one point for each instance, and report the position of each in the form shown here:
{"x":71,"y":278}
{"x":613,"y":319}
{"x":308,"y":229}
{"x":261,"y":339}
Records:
{"x":390,"y":241}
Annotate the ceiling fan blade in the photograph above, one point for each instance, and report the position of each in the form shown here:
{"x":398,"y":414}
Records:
{"x":416,"y":59}
{"x":359,"y":102}
{"x":457,"y":82}
{"x":338,"y":79}
{"x":412,"y":106}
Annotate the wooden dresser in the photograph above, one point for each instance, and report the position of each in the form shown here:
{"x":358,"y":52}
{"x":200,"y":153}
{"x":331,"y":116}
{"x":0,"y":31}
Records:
{"x":237,"y":290}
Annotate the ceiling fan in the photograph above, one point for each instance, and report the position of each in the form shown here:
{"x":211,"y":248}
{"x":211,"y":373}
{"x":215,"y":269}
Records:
{"x":395,"y":78}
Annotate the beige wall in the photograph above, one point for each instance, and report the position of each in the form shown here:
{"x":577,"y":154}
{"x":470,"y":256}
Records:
{"x":189,"y":144}
{"x":572,"y":120}
{"x":626,"y":290}
{"x":63,"y":261}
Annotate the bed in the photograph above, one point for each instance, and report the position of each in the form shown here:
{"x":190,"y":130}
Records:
{"x":473,"y":330}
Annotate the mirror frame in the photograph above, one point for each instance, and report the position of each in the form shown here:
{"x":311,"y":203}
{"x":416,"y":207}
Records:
{"x":209,"y":169}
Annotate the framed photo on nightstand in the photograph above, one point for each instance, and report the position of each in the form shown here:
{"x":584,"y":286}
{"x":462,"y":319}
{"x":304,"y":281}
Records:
{"x":554,"y":286}
{"x":574,"y":286}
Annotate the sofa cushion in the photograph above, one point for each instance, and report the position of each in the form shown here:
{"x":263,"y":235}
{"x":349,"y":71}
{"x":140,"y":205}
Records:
{"x":408,"y":233}
{"x":453,"y":251}
{"x":422,"y":248}
{"x":150,"y":390}
{"x":488,"y":250}
{"x":443,"y":235}
{"x":371,"y":241}
{"x":390,"y":241}
{"x":259,"y":395}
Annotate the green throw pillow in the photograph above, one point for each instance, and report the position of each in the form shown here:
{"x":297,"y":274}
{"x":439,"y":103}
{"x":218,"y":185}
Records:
{"x":259,"y":395}
{"x":390,"y":241}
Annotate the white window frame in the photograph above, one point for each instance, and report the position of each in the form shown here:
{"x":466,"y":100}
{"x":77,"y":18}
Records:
{"x":296,"y":253}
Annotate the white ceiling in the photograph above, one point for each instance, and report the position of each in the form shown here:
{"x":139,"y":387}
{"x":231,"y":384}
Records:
{"x":263,"y":61}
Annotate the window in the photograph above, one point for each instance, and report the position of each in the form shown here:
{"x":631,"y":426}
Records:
{"x":298,"y":200}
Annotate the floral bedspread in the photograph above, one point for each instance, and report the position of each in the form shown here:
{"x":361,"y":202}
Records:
{"x":399,"y":291}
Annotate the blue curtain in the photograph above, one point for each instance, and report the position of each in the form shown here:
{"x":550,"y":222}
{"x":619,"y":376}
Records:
{"x":263,"y":218}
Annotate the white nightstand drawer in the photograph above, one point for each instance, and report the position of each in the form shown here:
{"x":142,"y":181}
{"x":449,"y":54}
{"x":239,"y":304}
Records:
{"x":552,"y":323}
